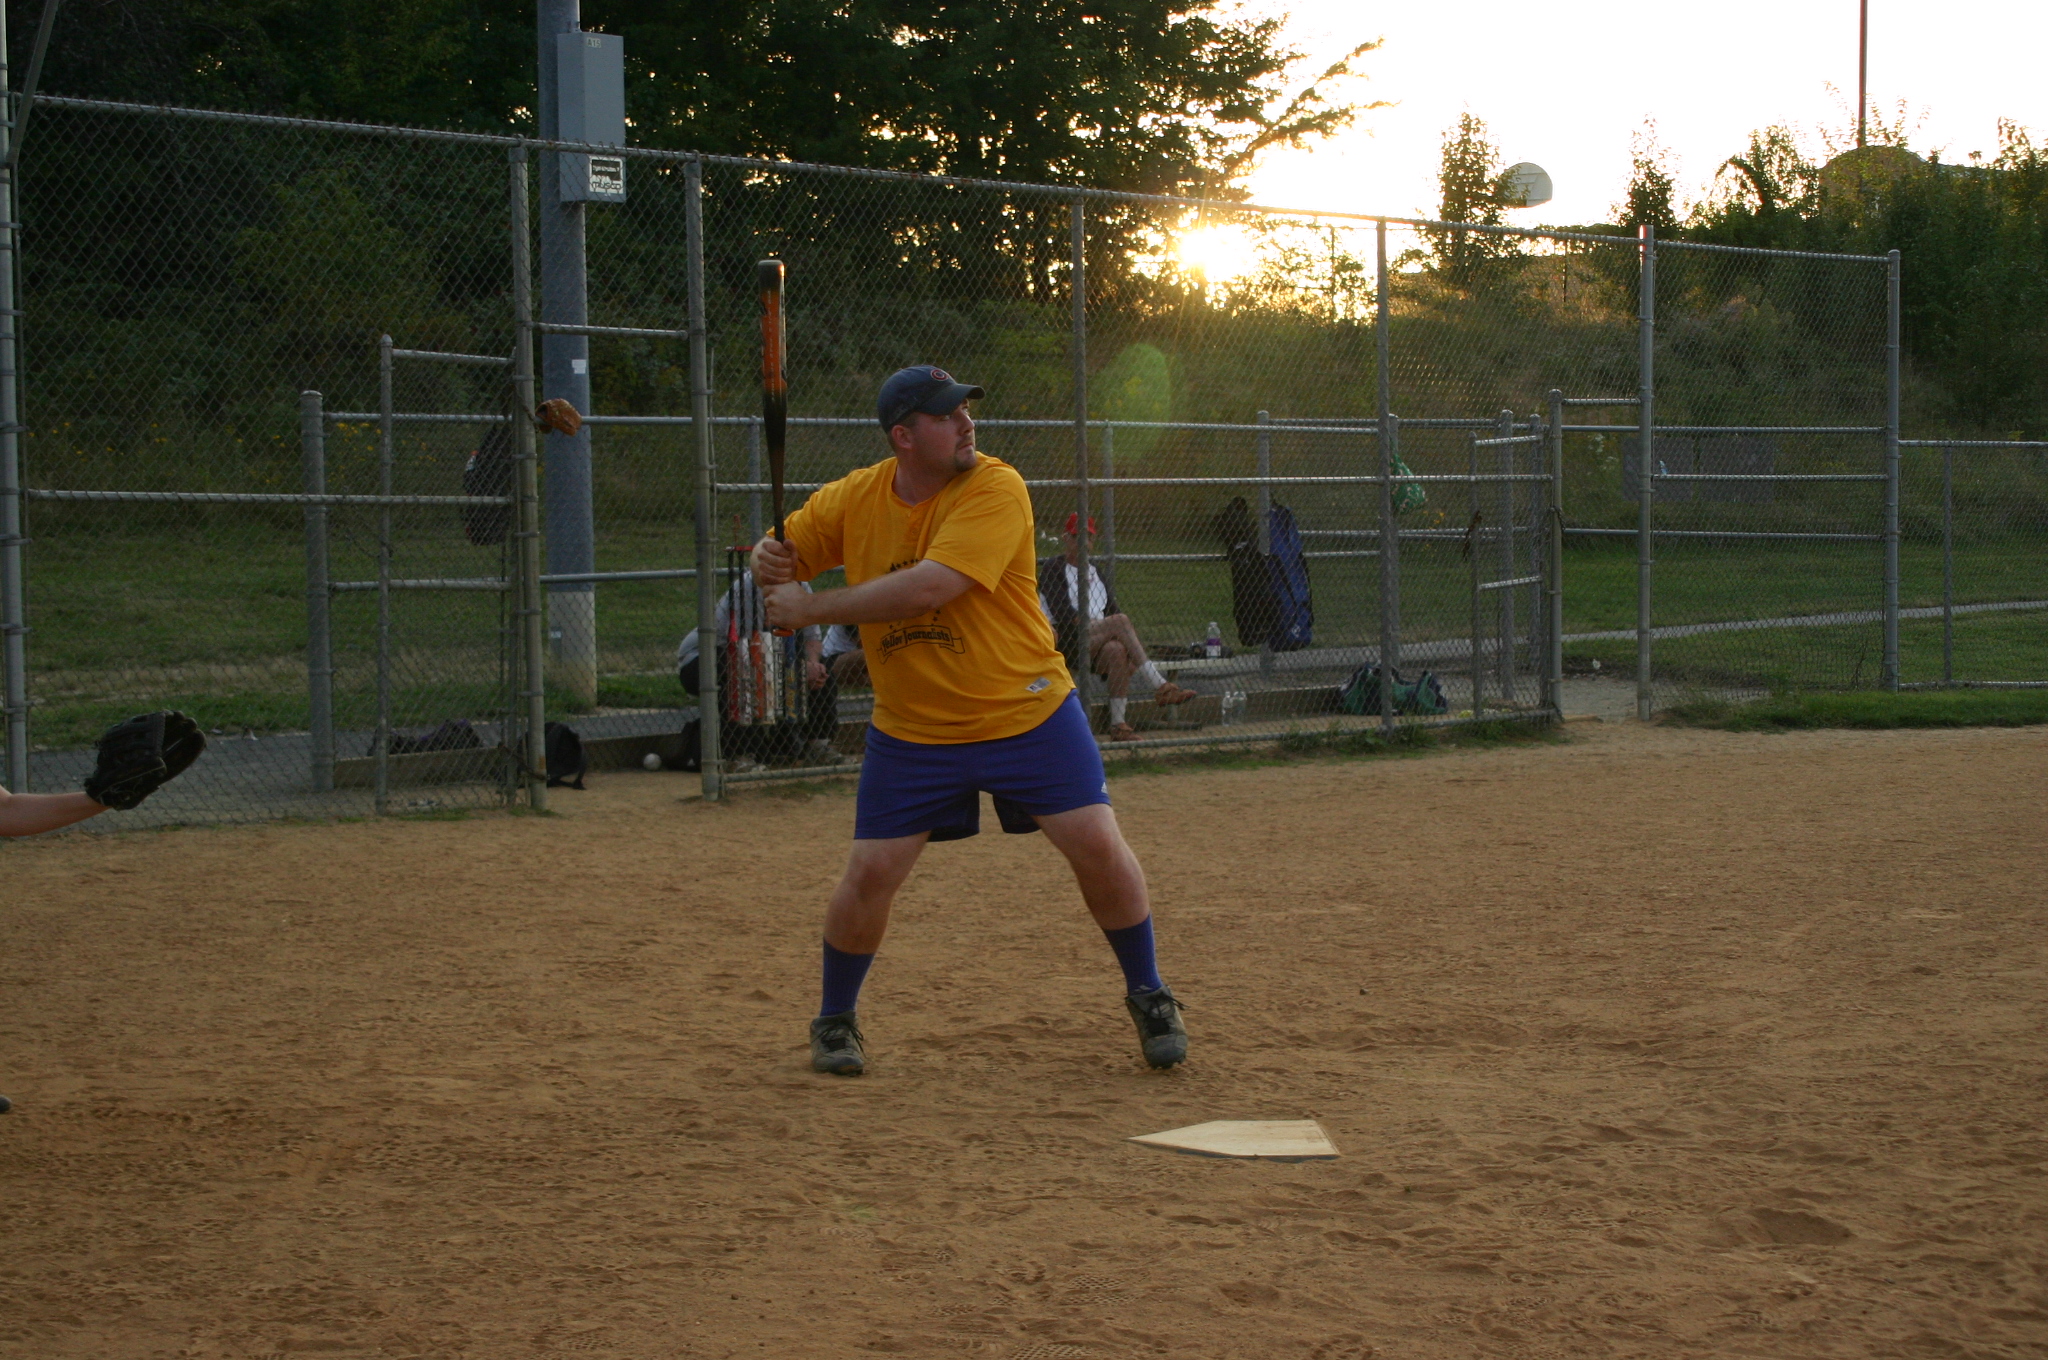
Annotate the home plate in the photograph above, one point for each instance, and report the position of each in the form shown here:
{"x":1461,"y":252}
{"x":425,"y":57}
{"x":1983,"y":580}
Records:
{"x":1289,"y":1139}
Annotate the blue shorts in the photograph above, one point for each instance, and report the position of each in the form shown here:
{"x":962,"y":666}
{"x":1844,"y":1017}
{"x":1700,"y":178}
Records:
{"x":907,"y":787}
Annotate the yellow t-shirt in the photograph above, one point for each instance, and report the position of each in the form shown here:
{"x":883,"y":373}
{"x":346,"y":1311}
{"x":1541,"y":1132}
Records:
{"x":982,"y":666}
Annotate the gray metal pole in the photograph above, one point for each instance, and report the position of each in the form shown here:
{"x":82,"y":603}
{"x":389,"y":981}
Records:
{"x":1948,"y":566}
{"x":1891,"y":473}
{"x":754,"y":476}
{"x":1504,"y":536}
{"x":385,"y":457}
{"x":1390,"y":538}
{"x":35,"y":75}
{"x":1472,"y":559}
{"x":1265,"y":462}
{"x":1108,"y":518}
{"x":1265,"y":526}
{"x":533,"y":689}
{"x":565,"y":372}
{"x":1553,"y":670}
{"x":319,"y":622}
{"x":13,"y":592}
{"x":1646,"y":458}
{"x":1084,"y":611}
{"x":708,"y":746}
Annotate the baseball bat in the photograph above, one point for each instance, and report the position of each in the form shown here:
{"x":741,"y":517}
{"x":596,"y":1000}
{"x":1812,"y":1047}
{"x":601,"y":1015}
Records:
{"x":774,"y":381}
{"x":774,"y":387}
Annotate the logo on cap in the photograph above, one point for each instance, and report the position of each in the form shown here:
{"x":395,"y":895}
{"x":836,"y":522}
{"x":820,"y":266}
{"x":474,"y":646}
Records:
{"x":941,"y":375}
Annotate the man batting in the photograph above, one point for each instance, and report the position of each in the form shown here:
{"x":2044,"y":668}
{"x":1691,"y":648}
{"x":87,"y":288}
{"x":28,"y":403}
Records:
{"x":971,"y":694}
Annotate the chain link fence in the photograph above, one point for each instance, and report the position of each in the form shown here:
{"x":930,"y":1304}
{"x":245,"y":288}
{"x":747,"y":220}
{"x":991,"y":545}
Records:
{"x":275,"y":439}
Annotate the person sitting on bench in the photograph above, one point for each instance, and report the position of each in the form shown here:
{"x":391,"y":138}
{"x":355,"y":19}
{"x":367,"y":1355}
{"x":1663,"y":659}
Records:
{"x":843,"y":656}
{"x":1114,"y":652}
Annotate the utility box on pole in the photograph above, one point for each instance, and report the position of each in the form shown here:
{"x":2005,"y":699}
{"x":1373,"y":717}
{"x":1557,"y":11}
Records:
{"x":590,"y":95}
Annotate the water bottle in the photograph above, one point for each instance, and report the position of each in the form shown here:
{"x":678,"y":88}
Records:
{"x":1235,"y":704}
{"x":1214,"y":646}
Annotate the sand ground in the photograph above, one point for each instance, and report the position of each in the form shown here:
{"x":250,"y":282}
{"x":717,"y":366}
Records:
{"x":1650,"y":1043}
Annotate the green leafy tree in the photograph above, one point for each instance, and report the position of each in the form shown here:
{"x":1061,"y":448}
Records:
{"x":1472,"y":183}
{"x":1974,"y":244}
{"x":1163,"y":96}
{"x":1650,"y":187}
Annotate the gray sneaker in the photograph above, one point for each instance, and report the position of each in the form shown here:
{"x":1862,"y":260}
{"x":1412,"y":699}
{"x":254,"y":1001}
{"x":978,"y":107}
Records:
{"x":1160,"y":1032}
{"x":836,"y":1045}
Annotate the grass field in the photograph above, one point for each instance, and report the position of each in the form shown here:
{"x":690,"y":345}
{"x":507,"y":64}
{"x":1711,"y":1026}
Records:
{"x":213,"y":620}
{"x":1926,"y":708}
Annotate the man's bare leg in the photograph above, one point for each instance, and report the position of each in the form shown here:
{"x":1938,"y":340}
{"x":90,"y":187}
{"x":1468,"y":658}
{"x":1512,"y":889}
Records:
{"x":1117,"y":628}
{"x":856,"y":919}
{"x":1111,"y":879}
{"x":1113,"y":885}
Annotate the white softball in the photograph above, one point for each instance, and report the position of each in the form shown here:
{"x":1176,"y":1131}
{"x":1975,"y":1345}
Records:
{"x":650,"y":761}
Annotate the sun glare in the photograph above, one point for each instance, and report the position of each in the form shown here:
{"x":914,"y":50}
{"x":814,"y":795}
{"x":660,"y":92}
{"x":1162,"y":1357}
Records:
{"x":1217,"y":253}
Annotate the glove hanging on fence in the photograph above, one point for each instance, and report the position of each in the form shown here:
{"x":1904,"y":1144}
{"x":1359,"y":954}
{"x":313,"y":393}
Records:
{"x":558,"y":415}
{"x":140,"y":755}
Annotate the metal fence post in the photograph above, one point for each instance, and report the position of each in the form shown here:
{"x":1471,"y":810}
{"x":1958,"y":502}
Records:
{"x":1108,"y":520}
{"x":1472,"y":554}
{"x":1948,"y":565}
{"x":1390,"y":534}
{"x":709,"y":751}
{"x":1265,"y":528}
{"x":1553,"y":668}
{"x":1646,"y":456}
{"x":754,"y":476}
{"x":1891,"y":473}
{"x":1084,"y":604}
{"x":13,"y":590}
{"x":1504,"y":535}
{"x":319,"y":601}
{"x":385,"y":456}
{"x":532,"y":607}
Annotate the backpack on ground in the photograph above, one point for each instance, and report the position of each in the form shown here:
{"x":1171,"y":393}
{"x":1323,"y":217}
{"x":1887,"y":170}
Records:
{"x":1423,"y":695}
{"x":566,"y":761}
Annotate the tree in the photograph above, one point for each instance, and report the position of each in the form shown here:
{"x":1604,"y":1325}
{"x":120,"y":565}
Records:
{"x":1159,"y":96}
{"x":1974,"y":245}
{"x":1649,"y":202}
{"x":1473,"y":188}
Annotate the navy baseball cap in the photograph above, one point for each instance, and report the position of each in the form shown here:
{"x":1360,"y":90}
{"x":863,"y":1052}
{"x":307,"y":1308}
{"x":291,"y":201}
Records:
{"x":933,"y":391}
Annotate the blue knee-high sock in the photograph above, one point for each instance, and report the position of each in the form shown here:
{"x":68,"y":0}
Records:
{"x":1133,"y":946}
{"x":844,"y":973}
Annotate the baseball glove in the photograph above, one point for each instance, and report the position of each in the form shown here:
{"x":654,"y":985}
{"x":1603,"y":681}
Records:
{"x":140,"y":755}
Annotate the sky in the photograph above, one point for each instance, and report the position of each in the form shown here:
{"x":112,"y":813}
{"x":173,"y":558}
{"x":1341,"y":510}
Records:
{"x":1566,"y":84}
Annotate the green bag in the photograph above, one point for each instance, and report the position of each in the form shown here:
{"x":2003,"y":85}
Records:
{"x":1423,"y":695}
{"x":1407,"y":495}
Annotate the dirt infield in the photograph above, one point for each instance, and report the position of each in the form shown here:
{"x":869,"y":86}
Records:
{"x":1653,"y":1043}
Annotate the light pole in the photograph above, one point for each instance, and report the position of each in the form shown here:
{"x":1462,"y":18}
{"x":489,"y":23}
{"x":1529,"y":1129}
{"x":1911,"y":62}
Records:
{"x":565,"y":372}
{"x":1862,"y":67}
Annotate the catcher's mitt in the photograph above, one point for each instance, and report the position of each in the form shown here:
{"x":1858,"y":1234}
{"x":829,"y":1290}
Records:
{"x":140,"y":755}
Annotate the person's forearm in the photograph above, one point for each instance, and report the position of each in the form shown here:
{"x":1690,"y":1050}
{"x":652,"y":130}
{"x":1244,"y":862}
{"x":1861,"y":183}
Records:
{"x":27,"y":814}
{"x":899,"y":595}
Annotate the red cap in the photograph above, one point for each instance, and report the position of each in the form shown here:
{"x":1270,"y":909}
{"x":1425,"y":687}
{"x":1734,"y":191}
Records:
{"x":1074,"y":517}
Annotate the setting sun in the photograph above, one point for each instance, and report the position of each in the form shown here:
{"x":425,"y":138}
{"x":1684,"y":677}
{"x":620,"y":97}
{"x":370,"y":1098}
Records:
{"x":1217,"y":253}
